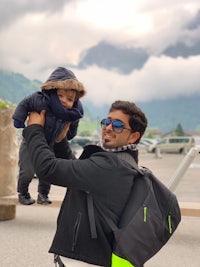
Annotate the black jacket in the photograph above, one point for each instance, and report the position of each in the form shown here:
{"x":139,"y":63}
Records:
{"x":104,"y":175}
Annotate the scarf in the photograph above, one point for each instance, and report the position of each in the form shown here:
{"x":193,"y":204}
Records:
{"x":61,"y":112}
{"x":119,"y":149}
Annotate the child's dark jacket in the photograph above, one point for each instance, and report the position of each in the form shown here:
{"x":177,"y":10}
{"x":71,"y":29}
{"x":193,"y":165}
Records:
{"x":53,"y":125}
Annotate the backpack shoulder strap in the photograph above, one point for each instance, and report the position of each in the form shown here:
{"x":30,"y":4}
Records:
{"x":128,"y":158}
{"x":90,"y":206}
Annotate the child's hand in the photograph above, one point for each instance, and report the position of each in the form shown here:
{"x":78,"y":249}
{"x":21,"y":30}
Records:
{"x":37,"y":118}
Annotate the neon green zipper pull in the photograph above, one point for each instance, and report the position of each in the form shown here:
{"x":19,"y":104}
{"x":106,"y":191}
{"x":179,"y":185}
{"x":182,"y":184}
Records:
{"x":170,"y":224}
{"x":145,"y":214}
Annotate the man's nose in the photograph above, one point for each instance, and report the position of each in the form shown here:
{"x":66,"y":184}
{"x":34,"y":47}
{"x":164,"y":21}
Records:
{"x":109,"y":126}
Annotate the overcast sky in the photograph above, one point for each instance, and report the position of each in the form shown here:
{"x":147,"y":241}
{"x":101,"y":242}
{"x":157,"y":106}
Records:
{"x":37,"y":36}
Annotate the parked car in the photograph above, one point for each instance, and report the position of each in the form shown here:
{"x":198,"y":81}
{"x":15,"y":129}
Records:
{"x":173,"y":144}
{"x":148,"y":141}
{"x":197,"y":141}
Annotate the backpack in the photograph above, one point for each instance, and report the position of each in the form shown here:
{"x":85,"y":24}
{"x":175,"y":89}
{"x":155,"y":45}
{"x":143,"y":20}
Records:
{"x":149,"y":219}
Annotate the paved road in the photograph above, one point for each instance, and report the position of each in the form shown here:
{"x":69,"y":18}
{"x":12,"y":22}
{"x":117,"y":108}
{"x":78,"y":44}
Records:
{"x":24,"y":241}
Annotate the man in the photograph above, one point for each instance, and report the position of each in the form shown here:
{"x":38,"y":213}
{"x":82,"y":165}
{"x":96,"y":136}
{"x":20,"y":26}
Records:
{"x":102,"y":171}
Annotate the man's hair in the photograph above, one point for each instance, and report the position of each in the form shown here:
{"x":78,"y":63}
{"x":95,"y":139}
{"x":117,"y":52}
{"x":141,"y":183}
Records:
{"x":137,"y":118}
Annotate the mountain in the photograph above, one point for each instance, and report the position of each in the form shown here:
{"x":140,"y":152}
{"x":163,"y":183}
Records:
{"x":162,"y":114}
{"x":15,"y":86}
{"x":167,"y":114}
{"x":110,"y":57}
{"x":181,"y":50}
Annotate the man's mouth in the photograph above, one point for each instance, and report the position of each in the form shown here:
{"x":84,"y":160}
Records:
{"x":107,"y":137}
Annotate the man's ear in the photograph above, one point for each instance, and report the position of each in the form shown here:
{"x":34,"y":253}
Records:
{"x":134,"y":137}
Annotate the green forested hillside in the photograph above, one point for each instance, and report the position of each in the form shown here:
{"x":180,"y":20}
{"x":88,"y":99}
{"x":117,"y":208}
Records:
{"x":15,"y":86}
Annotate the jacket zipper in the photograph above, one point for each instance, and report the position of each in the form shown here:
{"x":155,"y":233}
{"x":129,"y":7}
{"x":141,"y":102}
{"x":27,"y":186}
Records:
{"x":76,"y":230}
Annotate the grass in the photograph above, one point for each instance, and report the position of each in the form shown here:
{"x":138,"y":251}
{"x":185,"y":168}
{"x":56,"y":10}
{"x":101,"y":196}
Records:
{"x":4,"y":104}
{"x":87,"y":128}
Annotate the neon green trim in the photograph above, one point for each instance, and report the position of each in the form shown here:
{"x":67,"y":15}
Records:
{"x":145,"y":214}
{"x":170,"y":224}
{"x":119,"y":262}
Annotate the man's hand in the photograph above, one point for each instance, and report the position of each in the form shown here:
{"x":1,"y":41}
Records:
{"x":36,"y":118}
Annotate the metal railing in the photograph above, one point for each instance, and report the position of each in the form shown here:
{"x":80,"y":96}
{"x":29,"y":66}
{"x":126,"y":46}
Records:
{"x":184,"y":165}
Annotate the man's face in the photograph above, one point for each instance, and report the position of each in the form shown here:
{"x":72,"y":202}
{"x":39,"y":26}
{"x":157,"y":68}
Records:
{"x":112,"y":139}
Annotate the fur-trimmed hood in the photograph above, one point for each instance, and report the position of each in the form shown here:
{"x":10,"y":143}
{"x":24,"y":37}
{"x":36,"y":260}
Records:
{"x":62,"y":78}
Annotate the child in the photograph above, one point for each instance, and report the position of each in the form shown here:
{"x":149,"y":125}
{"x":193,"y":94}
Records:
{"x":60,"y":98}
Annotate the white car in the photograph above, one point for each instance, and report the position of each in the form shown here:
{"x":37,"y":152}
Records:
{"x":173,"y":144}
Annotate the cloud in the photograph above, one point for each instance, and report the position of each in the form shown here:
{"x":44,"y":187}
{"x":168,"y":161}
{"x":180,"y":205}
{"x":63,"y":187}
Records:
{"x":38,"y":40}
{"x":37,"y":36}
{"x":11,"y":10}
{"x":160,"y":78}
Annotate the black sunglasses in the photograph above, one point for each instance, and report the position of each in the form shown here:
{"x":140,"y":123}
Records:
{"x":117,"y":125}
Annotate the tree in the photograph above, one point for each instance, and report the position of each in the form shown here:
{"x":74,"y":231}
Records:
{"x":179,"y":130}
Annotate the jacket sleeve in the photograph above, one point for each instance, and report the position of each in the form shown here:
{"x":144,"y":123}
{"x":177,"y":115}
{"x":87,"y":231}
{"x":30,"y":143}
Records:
{"x":28,"y":104}
{"x":63,"y":150}
{"x":57,"y":171}
{"x":82,"y":174}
